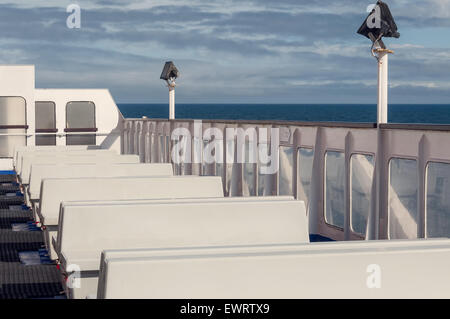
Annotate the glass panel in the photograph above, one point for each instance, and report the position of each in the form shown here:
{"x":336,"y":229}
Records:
{"x":162,"y":149}
{"x":438,"y":200}
{"x":81,"y":139}
{"x":249,"y":187}
{"x":286,"y":173}
{"x":80,"y":115}
{"x":232,"y":170}
{"x":305,"y":167}
{"x":265,"y":181}
{"x":45,"y":115}
{"x":168,"y":160}
{"x":403,"y":192}
{"x":211,"y":165}
{"x":219,"y":169}
{"x":45,"y":119}
{"x":362,"y":167}
{"x":205,"y":166}
{"x":46,"y":139}
{"x":263,"y":184}
{"x":334,"y":186}
{"x":12,"y":112}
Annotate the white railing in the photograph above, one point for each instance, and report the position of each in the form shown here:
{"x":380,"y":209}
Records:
{"x":358,"y":180}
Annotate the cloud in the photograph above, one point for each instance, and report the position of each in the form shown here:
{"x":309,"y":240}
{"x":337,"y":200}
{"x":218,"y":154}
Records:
{"x":229,"y":50}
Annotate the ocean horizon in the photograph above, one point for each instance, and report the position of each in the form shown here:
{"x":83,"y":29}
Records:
{"x":359,"y":113}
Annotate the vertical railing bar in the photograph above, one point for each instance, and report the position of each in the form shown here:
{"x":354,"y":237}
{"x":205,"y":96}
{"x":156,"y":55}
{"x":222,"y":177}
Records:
{"x":347,"y":183}
{"x":421,"y":200}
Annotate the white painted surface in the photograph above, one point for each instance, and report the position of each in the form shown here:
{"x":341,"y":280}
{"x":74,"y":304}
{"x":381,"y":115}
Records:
{"x":112,"y":255}
{"x":407,"y":272}
{"x":55,"y":191}
{"x":185,"y":223}
{"x":21,"y":150}
{"x":44,"y":171}
{"x":171,"y":102}
{"x":383,"y":58}
{"x":90,"y":261}
{"x":107,"y":114}
{"x":23,"y":169}
{"x":19,"y":81}
{"x":106,"y":158}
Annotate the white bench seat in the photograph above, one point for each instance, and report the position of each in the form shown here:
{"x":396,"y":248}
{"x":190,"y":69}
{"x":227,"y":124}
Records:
{"x":56,"y":191}
{"x":82,"y":157}
{"x":44,"y":171}
{"x":88,"y":261}
{"x":24,"y":157}
{"x":176,"y":223}
{"x":402,"y":271}
{"x":20,"y":150}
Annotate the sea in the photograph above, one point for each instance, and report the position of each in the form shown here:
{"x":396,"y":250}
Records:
{"x":361,"y":113}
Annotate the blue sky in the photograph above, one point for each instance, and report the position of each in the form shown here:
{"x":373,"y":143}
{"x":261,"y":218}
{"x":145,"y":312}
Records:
{"x":230,"y":51}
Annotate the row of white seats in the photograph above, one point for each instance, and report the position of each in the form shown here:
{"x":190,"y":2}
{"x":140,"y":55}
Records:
{"x":79,"y":157}
{"x":77,"y":232}
{"x":39,"y":172}
{"x":386,"y":269}
{"x":250,"y":247}
{"x":88,"y":228}
{"x":57,"y":191}
{"x":81,"y":237}
{"x":20,"y":150}
{"x":39,"y":162}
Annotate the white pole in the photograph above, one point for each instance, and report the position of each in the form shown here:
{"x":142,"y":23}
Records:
{"x":383,"y":55}
{"x":172,"y":101}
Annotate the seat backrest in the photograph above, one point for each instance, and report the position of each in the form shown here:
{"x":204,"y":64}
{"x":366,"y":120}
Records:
{"x":186,"y":223}
{"x":105,"y":158}
{"x":19,"y":150}
{"x":27,"y":159}
{"x":310,"y":247}
{"x":41,"y":171}
{"x":55,"y":191}
{"x":391,"y":272}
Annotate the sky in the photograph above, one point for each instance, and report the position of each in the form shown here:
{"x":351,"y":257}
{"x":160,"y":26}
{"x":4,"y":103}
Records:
{"x":230,"y":51}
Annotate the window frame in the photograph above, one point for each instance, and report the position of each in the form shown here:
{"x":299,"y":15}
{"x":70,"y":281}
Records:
{"x":54,"y":130}
{"x":389,"y":161}
{"x":82,"y":129}
{"x":333,"y":150}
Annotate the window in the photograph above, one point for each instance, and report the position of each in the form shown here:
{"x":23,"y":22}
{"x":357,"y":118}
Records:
{"x":230,"y":169}
{"x":205,"y":164}
{"x":12,"y":121}
{"x":45,"y":123}
{"x":265,"y":181}
{"x":80,"y":117}
{"x":438,"y":200}
{"x":362,"y":167}
{"x":403,"y":191}
{"x":334,"y":188}
{"x":305,"y":167}
{"x":286,"y":173}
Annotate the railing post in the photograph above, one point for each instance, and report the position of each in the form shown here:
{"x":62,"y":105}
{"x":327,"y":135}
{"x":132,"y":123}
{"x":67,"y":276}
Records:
{"x":382,"y":57}
{"x":172,"y":102}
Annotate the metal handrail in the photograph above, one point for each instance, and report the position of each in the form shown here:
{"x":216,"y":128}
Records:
{"x":81,"y":129}
{"x":57,"y":134}
{"x":13,"y":127}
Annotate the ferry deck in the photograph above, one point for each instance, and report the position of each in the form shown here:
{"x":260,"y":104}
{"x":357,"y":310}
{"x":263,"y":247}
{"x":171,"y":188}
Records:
{"x":95,"y":205}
